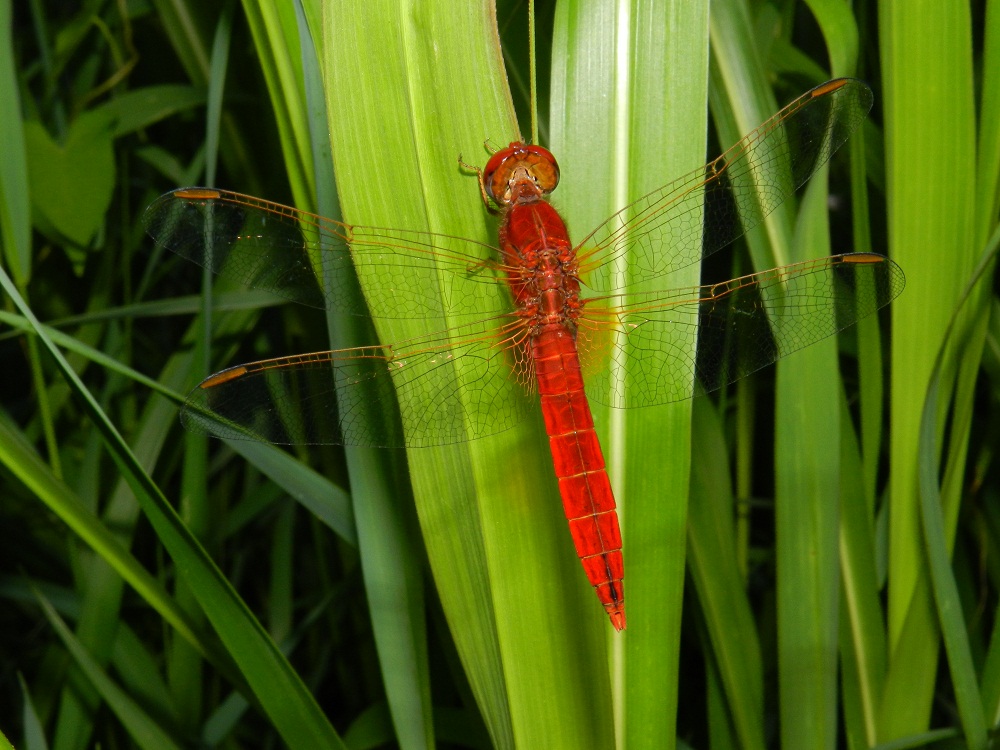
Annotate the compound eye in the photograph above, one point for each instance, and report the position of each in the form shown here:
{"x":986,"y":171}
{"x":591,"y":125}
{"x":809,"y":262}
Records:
{"x":542,"y":165}
{"x":498,"y":172}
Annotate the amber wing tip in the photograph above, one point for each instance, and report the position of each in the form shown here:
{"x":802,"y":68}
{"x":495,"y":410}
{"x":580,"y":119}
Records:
{"x":618,"y":620}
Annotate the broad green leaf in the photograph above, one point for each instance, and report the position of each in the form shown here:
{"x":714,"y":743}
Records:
{"x":930,"y":146}
{"x":71,"y":182}
{"x":628,"y":115}
{"x":489,"y":512}
{"x":15,"y":218}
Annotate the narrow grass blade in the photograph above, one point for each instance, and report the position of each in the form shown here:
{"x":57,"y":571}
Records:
{"x":807,"y":450}
{"x":862,"y":629}
{"x":719,"y":583}
{"x":142,"y":728}
{"x":949,"y":607}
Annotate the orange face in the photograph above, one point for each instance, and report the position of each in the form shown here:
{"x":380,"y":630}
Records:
{"x":516,"y":165}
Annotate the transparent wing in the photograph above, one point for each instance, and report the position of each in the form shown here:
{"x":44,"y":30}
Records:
{"x":742,"y":325}
{"x":702,"y":212}
{"x":460,"y":385}
{"x":272,"y":247}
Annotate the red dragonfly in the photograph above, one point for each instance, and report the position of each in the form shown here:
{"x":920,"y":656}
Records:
{"x":469,"y":381}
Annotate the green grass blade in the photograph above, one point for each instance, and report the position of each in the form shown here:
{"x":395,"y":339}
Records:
{"x":628,"y":114}
{"x":719,"y":582}
{"x":949,"y":607}
{"x":741,"y":99}
{"x":840,"y":32}
{"x":391,"y":558}
{"x":142,"y":728}
{"x":990,"y":677}
{"x":216,"y":88}
{"x":276,"y":685}
{"x":496,"y":539}
{"x":807,"y":449}
{"x":276,"y":31}
{"x":930,"y":162}
{"x":807,"y":441}
{"x":988,"y":189}
{"x":862,"y":630}
{"x":34,"y":735}
{"x":15,"y":214}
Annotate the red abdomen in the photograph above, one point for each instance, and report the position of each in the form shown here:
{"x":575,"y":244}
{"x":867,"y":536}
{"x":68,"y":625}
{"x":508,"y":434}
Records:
{"x":579,"y":464}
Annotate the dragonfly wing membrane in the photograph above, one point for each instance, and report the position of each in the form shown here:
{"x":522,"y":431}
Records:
{"x":742,"y":325}
{"x":418,"y":274}
{"x":751,"y":322}
{"x":702,"y":212}
{"x":294,"y":400}
{"x":478,"y":386}
{"x":276,"y":248}
{"x":449,"y":388}
{"x":231,"y":238}
{"x":627,"y":351}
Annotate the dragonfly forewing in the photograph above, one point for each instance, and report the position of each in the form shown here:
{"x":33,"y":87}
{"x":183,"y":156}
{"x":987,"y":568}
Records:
{"x":312,"y":260}
{"x":704,"y":211}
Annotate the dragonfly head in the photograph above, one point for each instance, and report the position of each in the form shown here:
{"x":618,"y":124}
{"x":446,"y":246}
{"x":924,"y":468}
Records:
{"x":520,"y":172}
